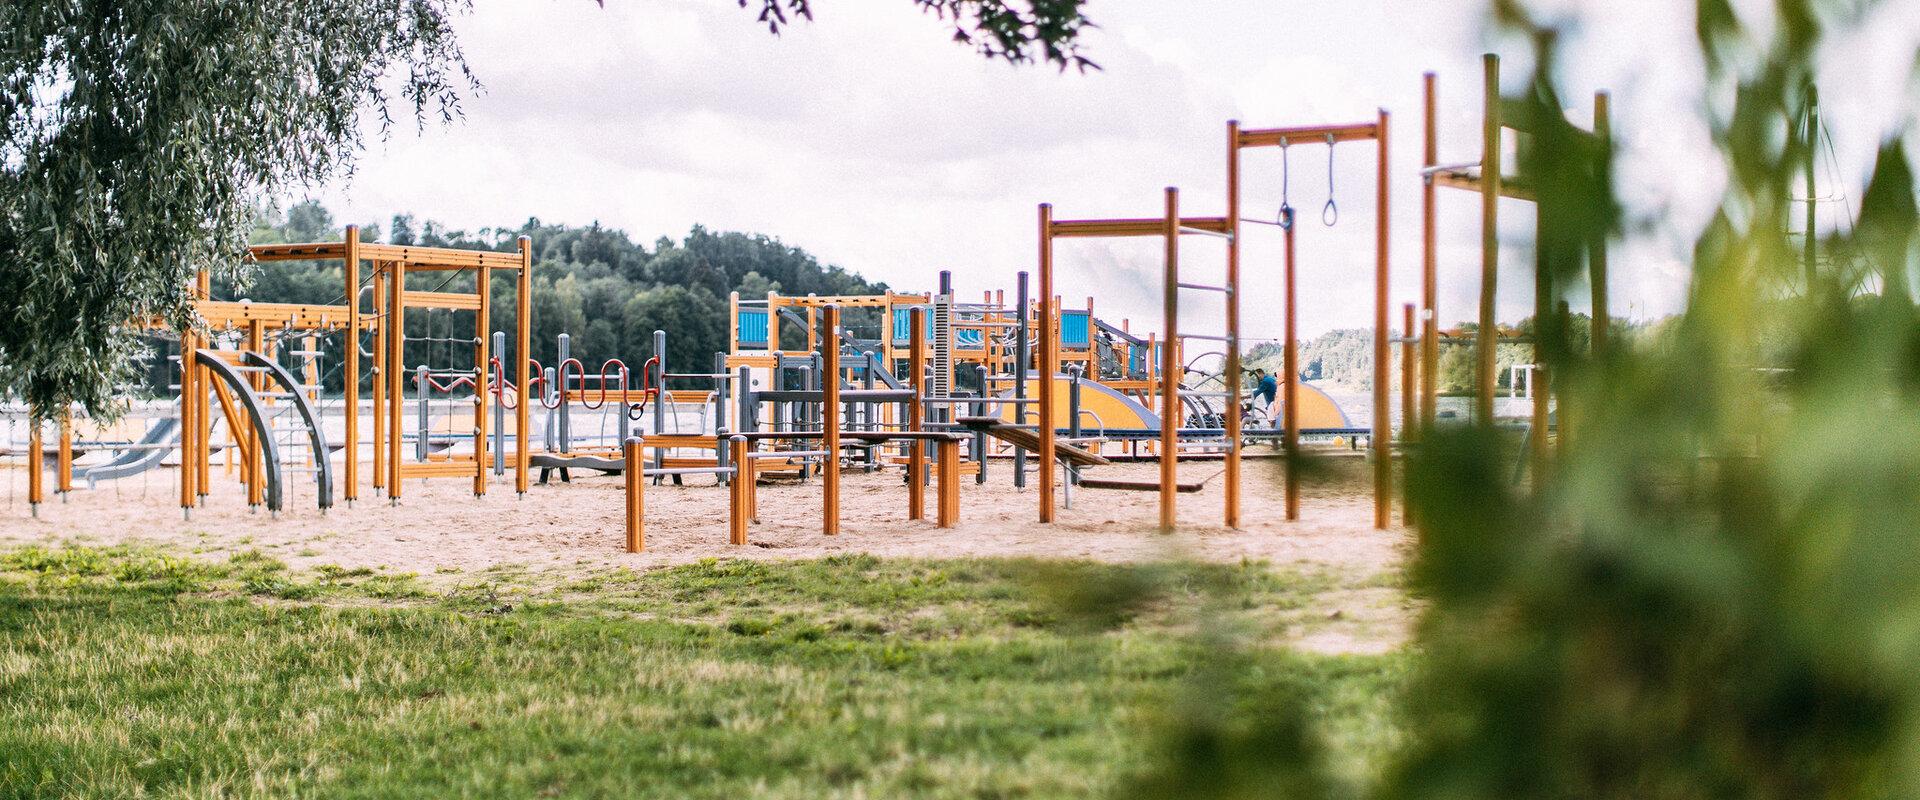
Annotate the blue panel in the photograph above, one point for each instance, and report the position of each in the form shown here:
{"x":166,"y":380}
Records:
{"x":753,"y":326}
{"x":970,"y":339}
{"x":1076,"y":329}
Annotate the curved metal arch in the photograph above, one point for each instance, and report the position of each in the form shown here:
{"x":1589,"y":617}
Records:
{"x":316,"y":436}
{"x":256,"y":412}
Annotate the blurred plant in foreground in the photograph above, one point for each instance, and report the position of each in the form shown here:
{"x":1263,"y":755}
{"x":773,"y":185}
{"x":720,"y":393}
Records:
{"x":1712,"y":591}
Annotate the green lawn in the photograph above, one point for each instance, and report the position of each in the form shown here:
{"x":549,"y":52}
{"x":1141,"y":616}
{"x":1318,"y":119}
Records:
{"x":127,"y":673}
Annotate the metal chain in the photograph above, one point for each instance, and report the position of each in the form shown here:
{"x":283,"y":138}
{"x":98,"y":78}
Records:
{"x":1330,"y":213}
{"x":1286,"y":169}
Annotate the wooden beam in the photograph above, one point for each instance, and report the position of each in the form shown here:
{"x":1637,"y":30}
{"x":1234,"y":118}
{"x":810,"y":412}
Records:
{"x":1118,"y":228}
{"x":1308,"y":134}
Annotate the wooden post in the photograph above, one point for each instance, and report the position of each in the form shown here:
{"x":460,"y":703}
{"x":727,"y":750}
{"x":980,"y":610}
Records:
{"x":1049,"y":362}
{"x":523,"y":356}
{"x":36,"y":491}
{"x":1487,"y":339}
{"x":773,"y":323}
{"x":1597,"y":252}
{"x":189,"y":426}
{"x":1409,"y":374}
{"x":482,"y":377}
{"x":1540,"y":384}
{"x":948,"y":456}
{"x":1170,"y":415}
{"x":350,"y":367}
{"x":916,"y":414}
{"x":396,"y":368}
{"x":203,"y":407}
{"x":378,"y":380}
{"x":256,"y":449}
{"x":635,"y":476}
{"x":739,"y":489}
{"x":1232,"y":474}
{"x":733,"y":323}
{"x":1429,"y":269}
{"x":1290,"y":366}
{"x":830,"y":421}
{"x":1382,"y":331}
{"x":63,"y":463}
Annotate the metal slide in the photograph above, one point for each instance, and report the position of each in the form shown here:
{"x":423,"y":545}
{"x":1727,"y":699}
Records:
{"x":235,"y":378}
{"x":147,"y":453}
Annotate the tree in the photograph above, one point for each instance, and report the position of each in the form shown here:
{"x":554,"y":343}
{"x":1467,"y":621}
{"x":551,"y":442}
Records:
{"x":137,"y":136}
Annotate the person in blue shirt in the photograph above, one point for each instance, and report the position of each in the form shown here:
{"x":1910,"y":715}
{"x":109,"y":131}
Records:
{"x":1265,"y":388}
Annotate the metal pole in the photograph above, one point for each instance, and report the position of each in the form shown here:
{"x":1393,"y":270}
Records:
{"x":499,"y":405}
{"x":980,"y":437}
{"x":420,"y":414}
{"x":1020,"y":345}
{"x":660,"y":396}
{"x":563,"y":351}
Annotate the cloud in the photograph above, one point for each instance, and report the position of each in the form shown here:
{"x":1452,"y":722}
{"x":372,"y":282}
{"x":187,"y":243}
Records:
{"x":870,"y":140}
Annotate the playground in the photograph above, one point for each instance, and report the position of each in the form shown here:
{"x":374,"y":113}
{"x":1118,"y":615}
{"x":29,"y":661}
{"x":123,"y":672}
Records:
{"x":577,"y":529}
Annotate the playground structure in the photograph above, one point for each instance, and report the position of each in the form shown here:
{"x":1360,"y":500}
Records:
{"x":1488,"y":178}
{"x":923,"y":381}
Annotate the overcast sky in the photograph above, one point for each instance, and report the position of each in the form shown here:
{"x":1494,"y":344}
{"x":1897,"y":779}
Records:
{"x":868,"y":139}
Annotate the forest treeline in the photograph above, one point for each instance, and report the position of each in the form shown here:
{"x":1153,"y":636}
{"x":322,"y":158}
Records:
{"x":1345,"y":356}
{"x":609,"y":292}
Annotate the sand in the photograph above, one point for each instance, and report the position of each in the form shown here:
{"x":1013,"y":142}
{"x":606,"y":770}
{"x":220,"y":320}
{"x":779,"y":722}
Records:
{"x":441,"y":528}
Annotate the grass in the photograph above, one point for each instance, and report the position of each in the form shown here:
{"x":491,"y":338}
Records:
{"x":130,"y":673}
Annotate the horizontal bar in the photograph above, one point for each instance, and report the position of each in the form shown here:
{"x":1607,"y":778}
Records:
{"x":439,"y":469}
{"x":1203,"y":232}
{"x":1460,"y":167}
{"x":651,"y":473}
{"x":455,"y":300}
{"x":1205,"y":288}
{"x":1149,"y":226}
{"x":846,"y":396}
{"x":788,"y":454}
{"x":1308,"y":134}
{"x":1205,"y":337}
{"x":1510,"y":187}
{"x":424,"y":257}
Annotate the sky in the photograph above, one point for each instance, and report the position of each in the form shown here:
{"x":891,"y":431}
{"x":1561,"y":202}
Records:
{"x":869,"y":139}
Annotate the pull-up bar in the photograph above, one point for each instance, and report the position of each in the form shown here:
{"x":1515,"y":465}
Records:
{"x":1382,"y":429}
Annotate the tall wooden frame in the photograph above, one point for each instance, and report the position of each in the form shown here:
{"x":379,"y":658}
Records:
{"x":1169,"y":227}
{"x":1381,"y":432}
{"x":1488,"y":178}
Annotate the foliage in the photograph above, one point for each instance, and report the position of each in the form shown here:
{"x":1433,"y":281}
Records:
{"x":1022,"y":32}
{"x":131,"y":673}
{"x":1709,"y":594}
{"x":136,"y":136}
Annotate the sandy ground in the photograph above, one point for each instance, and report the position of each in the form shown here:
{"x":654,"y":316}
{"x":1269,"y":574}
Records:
{"x":440,"y":527}
{"x":439,"y":523}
